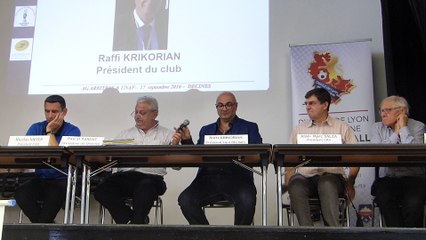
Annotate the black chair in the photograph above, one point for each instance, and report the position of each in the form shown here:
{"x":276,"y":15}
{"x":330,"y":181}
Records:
{"x":220,"y":204}
{"x":376,"y":212}
{"x":10,"y":180}
{"x":158,"y":211}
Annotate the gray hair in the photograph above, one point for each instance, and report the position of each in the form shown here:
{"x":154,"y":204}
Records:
{"x":398,"y":101}
{"x":150,"y":100}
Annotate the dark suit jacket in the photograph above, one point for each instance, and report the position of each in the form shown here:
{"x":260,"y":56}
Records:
{"x":125,"y":36}
{"x":239,"y":126}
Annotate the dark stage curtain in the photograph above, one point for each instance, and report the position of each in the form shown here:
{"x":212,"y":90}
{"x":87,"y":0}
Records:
{"x":404,"y":38}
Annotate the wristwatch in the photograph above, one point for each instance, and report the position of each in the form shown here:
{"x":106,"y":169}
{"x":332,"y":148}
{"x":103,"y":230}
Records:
{"x":51,"y":132}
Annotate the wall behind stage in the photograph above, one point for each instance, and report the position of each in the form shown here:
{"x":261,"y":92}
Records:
{"x":291,"y":22}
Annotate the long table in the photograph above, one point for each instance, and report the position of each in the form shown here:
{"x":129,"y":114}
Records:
{"x":367,"y":155}
{"x":42,"y":157}
{"x":247,"y":156}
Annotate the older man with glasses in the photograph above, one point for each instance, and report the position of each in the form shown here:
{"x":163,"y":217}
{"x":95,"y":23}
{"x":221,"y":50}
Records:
{"x":230,"y":182}
{"x":401,"y":193}
{"x":142,"y":185}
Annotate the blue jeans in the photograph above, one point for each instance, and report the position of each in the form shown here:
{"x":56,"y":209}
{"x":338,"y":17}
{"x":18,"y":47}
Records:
{"x":207,"y":189}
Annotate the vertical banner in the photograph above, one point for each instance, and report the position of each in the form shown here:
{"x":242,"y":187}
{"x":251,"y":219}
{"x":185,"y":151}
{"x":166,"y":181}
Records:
{"x":345,"y":71}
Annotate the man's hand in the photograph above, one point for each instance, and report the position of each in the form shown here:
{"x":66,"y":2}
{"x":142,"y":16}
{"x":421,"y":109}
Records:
{"x":176,"y":138}
{"x":56,"y":123}
{"x":180,"y":134}
{"x":350,"y":190}
{"x":184,"y":133}
{"x":402,"y":121}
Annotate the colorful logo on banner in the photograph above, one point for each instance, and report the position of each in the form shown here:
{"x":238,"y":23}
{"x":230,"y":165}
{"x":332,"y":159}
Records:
{"x":327,"y":74}
{"x":366,"y":212}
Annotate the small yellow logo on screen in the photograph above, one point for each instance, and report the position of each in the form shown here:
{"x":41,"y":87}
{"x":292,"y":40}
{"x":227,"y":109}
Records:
{"x":22,"y":45}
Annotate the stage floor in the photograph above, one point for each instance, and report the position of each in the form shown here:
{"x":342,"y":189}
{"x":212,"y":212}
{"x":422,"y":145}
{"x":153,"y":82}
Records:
{"x":175,"y":232}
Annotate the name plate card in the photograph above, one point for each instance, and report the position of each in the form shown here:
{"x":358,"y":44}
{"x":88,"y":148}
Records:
{"x":67,"y":141}
{"x":29,"y":141}
{"x":319,"y":139}
{"x":226,"y":139}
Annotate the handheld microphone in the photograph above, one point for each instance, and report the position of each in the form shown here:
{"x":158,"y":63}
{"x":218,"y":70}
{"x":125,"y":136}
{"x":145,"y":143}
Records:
{"x":184,"y":124}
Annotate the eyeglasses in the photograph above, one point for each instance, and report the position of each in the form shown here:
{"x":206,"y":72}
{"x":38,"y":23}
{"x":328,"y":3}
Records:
{"x":142,"y":114}
{"x":311,"y":103}
{"x":388,"y":110}
{"x":228,"y":105}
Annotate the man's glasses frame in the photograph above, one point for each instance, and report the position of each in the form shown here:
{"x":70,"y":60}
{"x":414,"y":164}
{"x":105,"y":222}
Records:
{"x":227,"y":105}
{"x":388,"y":110}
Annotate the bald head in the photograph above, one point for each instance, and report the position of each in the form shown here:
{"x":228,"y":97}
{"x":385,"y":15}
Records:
{"x":229,"y":95}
